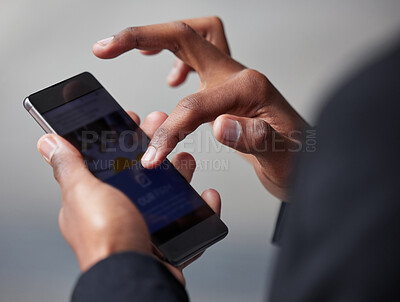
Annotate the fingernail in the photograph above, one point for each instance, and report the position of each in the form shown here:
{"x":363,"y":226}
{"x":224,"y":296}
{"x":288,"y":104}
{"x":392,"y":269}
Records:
{"x":105,"y":42}
{"x":231,"y":130}
{"x":172,"y":74}
{"x":47,"y":148}
{"x":150,"y":154}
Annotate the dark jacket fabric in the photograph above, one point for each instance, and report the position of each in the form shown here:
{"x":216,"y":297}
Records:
{"x":340,"y":237}
{"x":341,"y":241}
{"x":127,"y":277}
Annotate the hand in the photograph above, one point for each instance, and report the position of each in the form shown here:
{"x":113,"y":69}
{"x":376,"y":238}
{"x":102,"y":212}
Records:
{"x":211,"y":29}
{"x":250,"y":114}
{"x":96,"y":219}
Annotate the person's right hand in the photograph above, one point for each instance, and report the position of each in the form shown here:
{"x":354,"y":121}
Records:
{"x":250,"y":114}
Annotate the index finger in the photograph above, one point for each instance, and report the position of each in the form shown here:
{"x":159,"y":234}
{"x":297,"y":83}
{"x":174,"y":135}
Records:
{"x":178,"y":37}
{"x":212,"y":29}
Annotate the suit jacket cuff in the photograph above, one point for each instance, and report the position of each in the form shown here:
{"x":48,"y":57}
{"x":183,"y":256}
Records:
{"x":128,"y":276}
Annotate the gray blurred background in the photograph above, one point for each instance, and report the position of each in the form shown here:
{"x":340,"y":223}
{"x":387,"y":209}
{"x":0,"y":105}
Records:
{"x":304,"y":47}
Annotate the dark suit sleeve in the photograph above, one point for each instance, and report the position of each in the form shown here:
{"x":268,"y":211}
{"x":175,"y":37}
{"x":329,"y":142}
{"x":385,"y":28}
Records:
{"x":129,"y":277}
{"x":342,"y":238}
{"x":280,"y":223}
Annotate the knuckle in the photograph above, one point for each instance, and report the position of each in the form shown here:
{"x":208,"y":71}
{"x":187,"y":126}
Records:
{"x":216,"y":22}
{"x":258,"y":136}
{"x":256,"y":82}
{"x":182,"y":28}
{"x":128,"y":37}
{"x":190,"y":103}
{"x":184,"y":33}
{"x":131,"y":30}
{"x":62,"y":165}
{"x":57,"y":174}
{"x":172,"y":132}
{"x":58,"y":167}
{"x":261,"y":130}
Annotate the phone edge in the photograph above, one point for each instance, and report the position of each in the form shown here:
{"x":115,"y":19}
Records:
{"x":192,"y":255}
{"x":37,"y":116}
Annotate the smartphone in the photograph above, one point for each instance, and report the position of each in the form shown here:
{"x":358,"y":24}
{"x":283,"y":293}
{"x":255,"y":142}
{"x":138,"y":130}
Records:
{"x":79,"y":109}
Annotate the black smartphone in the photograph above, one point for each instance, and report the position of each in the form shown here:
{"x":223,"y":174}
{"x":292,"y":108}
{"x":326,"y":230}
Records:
{"x":79,"y":109}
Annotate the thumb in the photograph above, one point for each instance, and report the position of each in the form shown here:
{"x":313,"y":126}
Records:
{"x":68,"y":165}
{"x":247,"y":135}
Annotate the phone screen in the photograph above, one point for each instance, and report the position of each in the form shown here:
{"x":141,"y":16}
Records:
{"x":112,"y":145}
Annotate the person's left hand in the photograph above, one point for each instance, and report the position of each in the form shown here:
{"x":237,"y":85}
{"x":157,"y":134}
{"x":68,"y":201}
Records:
{"x":98,"y":220}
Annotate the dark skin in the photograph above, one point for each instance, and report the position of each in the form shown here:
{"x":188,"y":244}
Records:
{"x":98,"y":220}
{"x":247,"y":111}
{"x":230,"y":94}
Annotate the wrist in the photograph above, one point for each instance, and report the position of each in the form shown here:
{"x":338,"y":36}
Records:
{"x":98,"y":250}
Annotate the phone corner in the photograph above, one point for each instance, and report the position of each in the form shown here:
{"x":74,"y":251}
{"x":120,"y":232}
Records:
{"x":27,"y":104}
{"x":87,"y":73}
